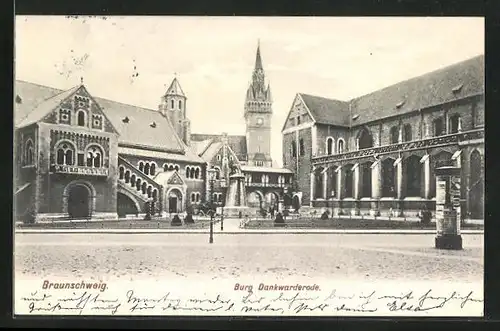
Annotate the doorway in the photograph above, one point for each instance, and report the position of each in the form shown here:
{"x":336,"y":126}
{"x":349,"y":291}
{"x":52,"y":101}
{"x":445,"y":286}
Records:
{"x":79,"y":202}
{"x":172,"y":205}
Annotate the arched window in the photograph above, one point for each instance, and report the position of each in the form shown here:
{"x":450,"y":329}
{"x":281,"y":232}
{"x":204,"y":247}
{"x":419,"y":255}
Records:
{"x":127,"y":176}
{"x":146,"y":168}
{"x":294,"y":149}
{"x":188,"y":172}
{"x":218,"y":157}
{"x":318,"y":183}
{"x":438,"y":126}
{"x":150,"y":191}
{"x":329,"y":145}
{"x":138,"y":184}
{"x":193,"y":197}
{"x":388,"y":178}
{"x":198,"y":197}
{"x":302,"y":150}
{"x":152,"y":169}
{"x":176,"y":168}
{"x":165,"y":167}
{"x":81,"y":118}
{"x":94,"y":157}
{"x":180,"y":104}
{"x":191,"y":173}
{"x":144,"y":187}
{"x":407,"y":135}
{"x":340,"y":148}
{"x":171,"y":167}
{"x":132,"y":180}
{"x":122,"y":172}
{"x":155,"y":195}
{"x":141,"y":166}
{"x":413,"y":176}
{"x":365,"y":139}
{"x":455,"y":123}
{"x":217,"y":174}
{"x":394,"y":135}
{"x":172,"y":104}
{"x":349,"y":177}
{"x":65,"y":154}
{"x":366,"y":173}
{"x":197,"y":173}
{"x":29,"y":152}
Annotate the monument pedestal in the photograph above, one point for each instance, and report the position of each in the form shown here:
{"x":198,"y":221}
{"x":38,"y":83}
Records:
{"x":234,"y":211}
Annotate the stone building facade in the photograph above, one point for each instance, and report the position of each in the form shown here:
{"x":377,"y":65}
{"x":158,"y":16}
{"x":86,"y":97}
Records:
{"x":79,"y":156}
{"x":376,"y":154}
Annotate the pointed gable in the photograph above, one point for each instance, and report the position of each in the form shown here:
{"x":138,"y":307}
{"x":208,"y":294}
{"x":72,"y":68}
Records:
{"x":36,"y":112}
{"x":297,"y":109}
{"x":175,"y":89}
{"x":175,"y":179}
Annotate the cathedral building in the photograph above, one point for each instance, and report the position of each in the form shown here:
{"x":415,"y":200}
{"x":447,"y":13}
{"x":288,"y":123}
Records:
{"x":80,"y":156}
{"x":376,"y":154}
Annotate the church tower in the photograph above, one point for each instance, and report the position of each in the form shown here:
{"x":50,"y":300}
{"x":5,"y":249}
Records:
{"x":173,"y":106}
{"x":258,"y":114}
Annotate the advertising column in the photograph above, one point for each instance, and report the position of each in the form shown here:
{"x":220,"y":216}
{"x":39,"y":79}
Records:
{"x":448,"y":208}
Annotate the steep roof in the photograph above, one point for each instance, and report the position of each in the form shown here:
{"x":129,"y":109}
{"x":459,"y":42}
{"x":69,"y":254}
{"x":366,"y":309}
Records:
{"x":139,"y":131}
{"x":327,"y":111}
{"x":451,"y":83}
{"x":175,"y":88}
{"x":440,"y":86}
{"x":33,"y":102}
{"x":237,"y":143}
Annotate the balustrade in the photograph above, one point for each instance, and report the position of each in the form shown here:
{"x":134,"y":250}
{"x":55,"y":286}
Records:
{"x":450,"y":139}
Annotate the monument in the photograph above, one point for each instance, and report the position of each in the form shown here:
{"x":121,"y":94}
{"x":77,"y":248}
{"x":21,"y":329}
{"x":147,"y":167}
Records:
{"x":236,"y":194}
{"x":448,"y":208}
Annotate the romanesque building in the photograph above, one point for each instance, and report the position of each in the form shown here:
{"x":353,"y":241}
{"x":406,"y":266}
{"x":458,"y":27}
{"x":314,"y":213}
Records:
{"x":266,"y":184}
{"x":80,"y":156}
{"x":376,"y":154}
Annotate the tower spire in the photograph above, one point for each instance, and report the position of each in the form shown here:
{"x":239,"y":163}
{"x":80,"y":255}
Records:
{"x":258,"y":59}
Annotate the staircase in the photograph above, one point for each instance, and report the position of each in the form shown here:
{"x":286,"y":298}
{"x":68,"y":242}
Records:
{"x":139,"y":184}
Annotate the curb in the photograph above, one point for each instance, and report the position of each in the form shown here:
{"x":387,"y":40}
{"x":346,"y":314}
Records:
{"x":162,"y":231}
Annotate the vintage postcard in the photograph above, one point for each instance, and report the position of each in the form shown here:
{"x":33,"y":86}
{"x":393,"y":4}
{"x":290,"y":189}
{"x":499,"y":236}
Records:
{"x":249,"y":166}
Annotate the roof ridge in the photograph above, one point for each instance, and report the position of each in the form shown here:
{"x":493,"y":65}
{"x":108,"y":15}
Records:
{"x":95,"y":96}
{"x":414,"y":78}
{"x":325,"y":98}
{"x":45,"y":100}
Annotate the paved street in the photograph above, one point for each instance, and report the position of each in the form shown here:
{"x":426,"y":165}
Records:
{"x":336,"y":256}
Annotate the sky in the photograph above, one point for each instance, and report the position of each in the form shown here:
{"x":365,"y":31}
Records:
{"x":134,"y":59}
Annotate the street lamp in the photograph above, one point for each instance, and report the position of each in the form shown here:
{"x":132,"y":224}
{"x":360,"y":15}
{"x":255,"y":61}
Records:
{"x":222,"y":214}
{"x":212,"y":173}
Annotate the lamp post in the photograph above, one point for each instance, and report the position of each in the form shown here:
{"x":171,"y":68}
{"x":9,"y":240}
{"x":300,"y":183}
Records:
{"x":211,"y":179}
{"x":222,"y":215}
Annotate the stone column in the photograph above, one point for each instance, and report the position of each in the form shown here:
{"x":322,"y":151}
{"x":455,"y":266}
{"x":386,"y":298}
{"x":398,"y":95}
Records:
{"x":376,"y":188}
{"x":325,"y":184}
{"x":399,"y":189}
{"x":340,"y":186}
{"x":357,"y":190}
{"x":312,"y":188}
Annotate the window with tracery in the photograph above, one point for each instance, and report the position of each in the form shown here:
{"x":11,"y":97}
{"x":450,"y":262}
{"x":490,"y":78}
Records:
{"x":65,"y":154}
{"x":29,"y":153}
{"x":94,"y":157}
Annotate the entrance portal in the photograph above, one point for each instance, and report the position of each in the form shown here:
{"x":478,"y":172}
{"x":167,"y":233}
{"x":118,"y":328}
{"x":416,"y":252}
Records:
{"x":172,"y":204}
{"x":174,"y":201}
{"x":79,"y":202}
